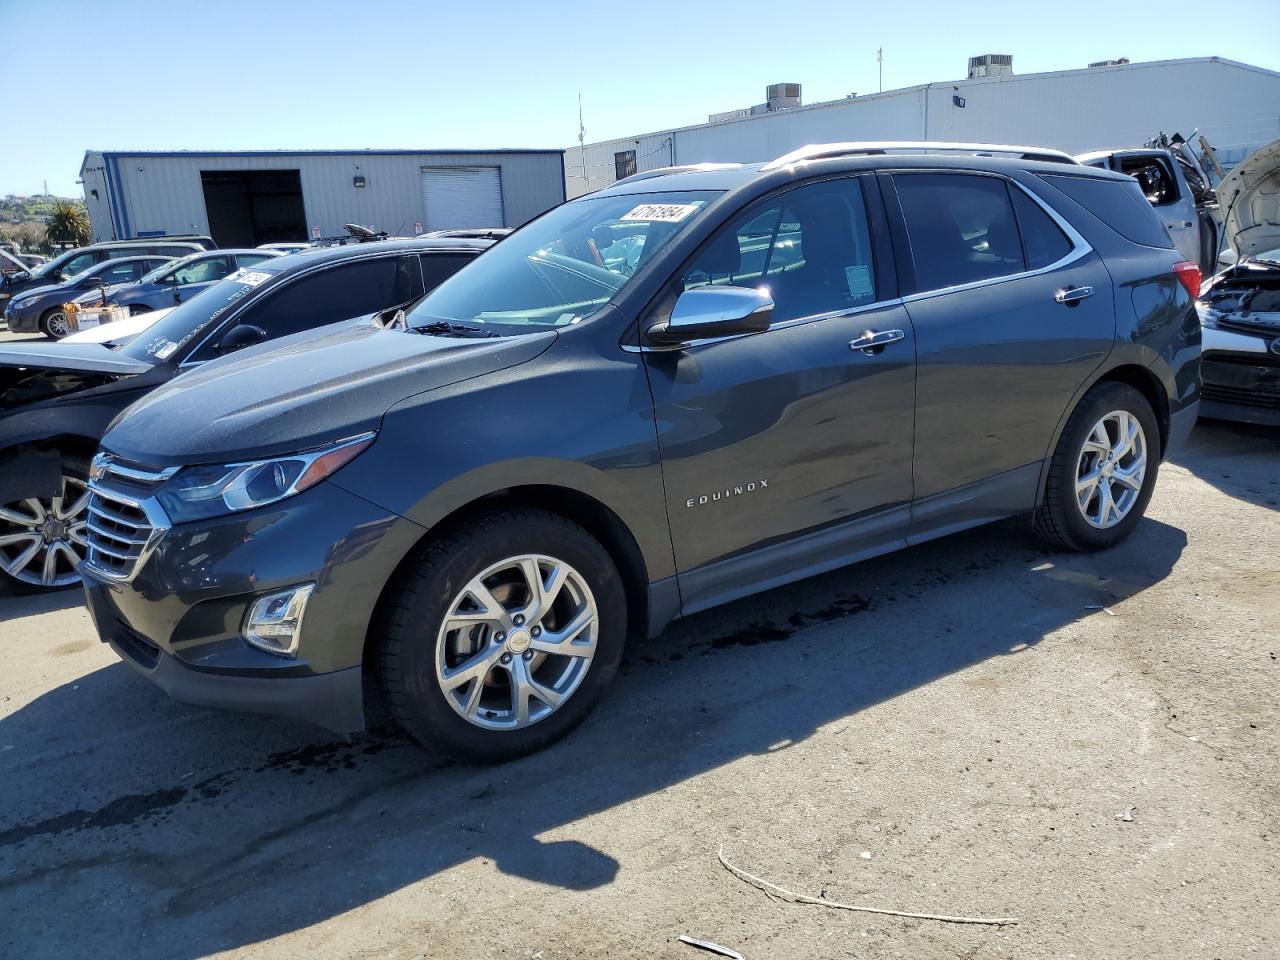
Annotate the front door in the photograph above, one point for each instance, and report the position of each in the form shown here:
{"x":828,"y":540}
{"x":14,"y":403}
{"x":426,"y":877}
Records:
{"x":793,"y":430}
{"x":1012,"y":311}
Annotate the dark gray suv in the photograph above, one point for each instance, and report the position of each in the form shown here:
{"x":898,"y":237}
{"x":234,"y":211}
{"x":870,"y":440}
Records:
{"x":691,"y":386}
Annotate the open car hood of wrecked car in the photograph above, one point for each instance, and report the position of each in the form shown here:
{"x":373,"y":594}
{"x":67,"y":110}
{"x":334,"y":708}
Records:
{"x":1249,"y":198}
{"x":84,"y":357}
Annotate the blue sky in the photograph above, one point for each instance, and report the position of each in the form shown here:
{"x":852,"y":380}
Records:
{"x":224,"y":75}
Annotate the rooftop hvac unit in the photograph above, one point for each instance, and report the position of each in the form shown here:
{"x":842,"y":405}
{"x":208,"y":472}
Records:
{"x":782,"y":96}
{"x":991,"y":65}
{"x":1110,"y":63}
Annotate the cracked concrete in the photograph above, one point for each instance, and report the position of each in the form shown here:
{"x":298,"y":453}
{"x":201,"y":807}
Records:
{"x":960,"y":711}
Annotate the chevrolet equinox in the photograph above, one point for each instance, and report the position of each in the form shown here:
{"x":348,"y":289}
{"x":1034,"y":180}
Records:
{"x":699,"y":383}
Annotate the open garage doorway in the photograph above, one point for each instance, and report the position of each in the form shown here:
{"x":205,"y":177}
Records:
{"x":248,"y":208}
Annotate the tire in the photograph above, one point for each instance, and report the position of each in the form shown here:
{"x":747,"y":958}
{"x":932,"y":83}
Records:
{"x":1070,"y":520}
{"x":53,"y":323}
{"x":478,"y":720}
{"x":21,"y":528}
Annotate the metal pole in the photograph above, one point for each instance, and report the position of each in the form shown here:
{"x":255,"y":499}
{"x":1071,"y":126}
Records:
{"x":880,"y":61}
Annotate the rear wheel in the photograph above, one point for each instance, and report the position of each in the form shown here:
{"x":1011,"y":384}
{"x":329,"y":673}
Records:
{"x":1102,"y":472}
{"x":502,"y":635}
{"x":42,"y":539}
{"x":53,"y":323}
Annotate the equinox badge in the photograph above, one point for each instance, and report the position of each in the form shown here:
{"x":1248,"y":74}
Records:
{"x":726,"y":493}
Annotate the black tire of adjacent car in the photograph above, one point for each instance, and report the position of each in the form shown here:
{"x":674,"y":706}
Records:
{"x":428,"y":584}
{"x":46,"y":323}
{"x":1208,"y":244}
{"x":1058,"y":519}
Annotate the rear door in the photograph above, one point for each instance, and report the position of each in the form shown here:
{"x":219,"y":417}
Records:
{"x":795,"y":430}
{"x":1012,"y":311}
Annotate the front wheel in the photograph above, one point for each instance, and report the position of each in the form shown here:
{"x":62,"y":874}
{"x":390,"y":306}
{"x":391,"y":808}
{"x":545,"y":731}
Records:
{"x":53,"y":323}
{"x":501,"y":635}
{"x":42,"y":539}
{"x":1103,"y":470}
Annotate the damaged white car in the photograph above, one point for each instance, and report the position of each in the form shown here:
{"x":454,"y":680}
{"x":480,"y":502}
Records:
{"x":1240,"y":307}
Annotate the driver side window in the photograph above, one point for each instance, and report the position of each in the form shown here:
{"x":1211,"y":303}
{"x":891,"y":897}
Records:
{"x":810,"y":247}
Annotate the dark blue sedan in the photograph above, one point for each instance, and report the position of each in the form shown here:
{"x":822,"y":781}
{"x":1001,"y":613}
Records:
{"x":39,"y":310}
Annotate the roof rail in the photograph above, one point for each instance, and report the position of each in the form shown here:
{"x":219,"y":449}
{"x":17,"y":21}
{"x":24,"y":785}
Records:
{"x":825,"y":151}
{"x":679,"y":168}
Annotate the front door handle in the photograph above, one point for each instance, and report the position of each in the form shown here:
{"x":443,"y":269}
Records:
{"x":873,"y":341}
{"x":1073,"y":294}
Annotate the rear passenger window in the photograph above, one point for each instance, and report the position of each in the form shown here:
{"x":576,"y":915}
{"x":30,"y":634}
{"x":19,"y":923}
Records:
{"x":809,"y":246}
{"x":1117,"y":203}
{"x":439,"y":267}
{"x":962,"y":228}
{"x":1042,"y":239}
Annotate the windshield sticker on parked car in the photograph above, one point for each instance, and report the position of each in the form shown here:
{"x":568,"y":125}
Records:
{"x":250,"y":279}
{"x":164,"y":352}
{"x":661,"y":212}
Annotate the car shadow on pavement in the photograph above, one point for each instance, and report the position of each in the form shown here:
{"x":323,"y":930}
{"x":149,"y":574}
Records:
{"x":1240,"y":459}
{"x":148,"y":828}
{"x":16,"y":603}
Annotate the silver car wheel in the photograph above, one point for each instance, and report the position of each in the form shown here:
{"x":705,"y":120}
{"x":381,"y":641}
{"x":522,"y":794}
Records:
{"x":517,"y":642}
{"x":42,"y":540}
{"x":55,"y":325}
{"x":1111,"y":469}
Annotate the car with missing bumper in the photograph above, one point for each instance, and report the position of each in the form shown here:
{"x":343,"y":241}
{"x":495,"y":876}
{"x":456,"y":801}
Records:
{"x":56,"y":399}
{"x":1240,"y":307}
{"x":797,"y":365}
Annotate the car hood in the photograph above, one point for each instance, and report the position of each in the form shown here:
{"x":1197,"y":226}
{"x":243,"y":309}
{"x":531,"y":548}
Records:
{"x":40,"y":291}
{"x":84,"y":357}
{"x":120,"y":330}
{"x":301,"y":392}
{"x":1249,"y":198}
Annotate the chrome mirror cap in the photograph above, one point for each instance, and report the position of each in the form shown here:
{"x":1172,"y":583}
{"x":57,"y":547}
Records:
{"x":714,"y":311}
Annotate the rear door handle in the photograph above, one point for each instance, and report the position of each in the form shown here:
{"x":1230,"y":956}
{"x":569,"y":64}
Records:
{"x":1073,"y":294}
{"x":873,"y":341}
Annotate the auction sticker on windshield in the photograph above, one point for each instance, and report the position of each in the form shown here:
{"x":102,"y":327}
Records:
{"x":661,"y":212}
{"x":251,"y":279}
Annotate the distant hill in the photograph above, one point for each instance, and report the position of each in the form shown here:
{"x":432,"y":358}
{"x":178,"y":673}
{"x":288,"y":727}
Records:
{"x":23,"y":219}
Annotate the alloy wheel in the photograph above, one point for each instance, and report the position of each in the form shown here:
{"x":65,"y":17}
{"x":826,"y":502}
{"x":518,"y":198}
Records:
{"x":517,"y":642}
{"x":1111,"y":469}
{"x":55,"y":325}
{"x":42,"y":540}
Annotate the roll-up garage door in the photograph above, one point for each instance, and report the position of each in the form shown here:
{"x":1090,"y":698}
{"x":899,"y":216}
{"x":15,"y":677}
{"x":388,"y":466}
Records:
{"x":457,"y":197}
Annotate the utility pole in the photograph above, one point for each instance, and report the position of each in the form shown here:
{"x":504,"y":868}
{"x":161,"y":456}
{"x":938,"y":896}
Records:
{"x":46,"y":188}
{"x":582,"y":136}
{"x":880,"y":62}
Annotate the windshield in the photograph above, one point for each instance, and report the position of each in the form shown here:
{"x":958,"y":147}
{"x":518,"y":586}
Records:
{"x":564,"y":266}
{"x":190,"y":319}
{"x":54,"y":265}
{"x":165,"y":268}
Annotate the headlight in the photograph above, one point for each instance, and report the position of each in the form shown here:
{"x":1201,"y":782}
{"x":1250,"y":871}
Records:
{"x":195,"y":493}
{"x":24,"y":303}
{"x":1208,"y":316}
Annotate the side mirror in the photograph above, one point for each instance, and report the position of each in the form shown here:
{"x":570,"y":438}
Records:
{"x":711,"y":311}
{"x":239,"y":337}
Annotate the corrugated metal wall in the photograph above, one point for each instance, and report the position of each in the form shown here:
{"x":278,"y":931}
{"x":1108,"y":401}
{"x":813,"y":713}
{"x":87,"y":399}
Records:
{"x":163,"y":192}
{"x":1236,"y":106}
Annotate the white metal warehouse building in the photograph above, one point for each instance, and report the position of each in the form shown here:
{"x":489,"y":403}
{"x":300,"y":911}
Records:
{"x":253,"y":197}
{"x":1234,"y":105}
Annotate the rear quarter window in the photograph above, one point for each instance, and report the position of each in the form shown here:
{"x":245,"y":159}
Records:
{"x":1118,"y":203}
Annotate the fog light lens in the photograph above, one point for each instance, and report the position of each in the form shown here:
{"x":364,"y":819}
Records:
{"x":274,"y":623}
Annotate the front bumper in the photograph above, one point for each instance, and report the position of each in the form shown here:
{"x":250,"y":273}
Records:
{"x":21,"y":321}
{"x":178,"y":620}
{"x":1240,"y":377}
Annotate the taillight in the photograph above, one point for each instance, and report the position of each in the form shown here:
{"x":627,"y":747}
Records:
{"x":1188,"y":275}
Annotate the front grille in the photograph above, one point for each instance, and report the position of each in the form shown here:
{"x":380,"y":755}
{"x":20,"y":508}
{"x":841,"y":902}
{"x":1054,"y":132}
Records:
{"x":1257,"y":328}
{"x":125,"y":523}
{"x":1240,"y":395}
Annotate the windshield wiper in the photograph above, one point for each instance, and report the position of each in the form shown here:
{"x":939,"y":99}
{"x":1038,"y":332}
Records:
{"x":449,"y":328}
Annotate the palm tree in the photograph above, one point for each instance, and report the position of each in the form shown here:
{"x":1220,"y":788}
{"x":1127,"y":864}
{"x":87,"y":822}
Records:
{"x":69,"y":221}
